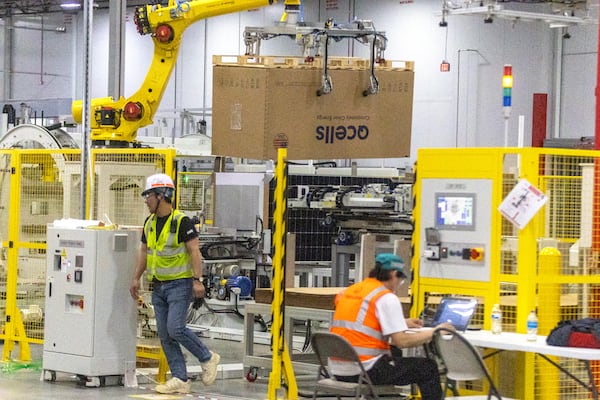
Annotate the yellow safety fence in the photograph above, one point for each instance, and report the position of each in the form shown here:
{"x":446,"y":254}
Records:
{"x":38,"y":187}
{"x":549,"y":265}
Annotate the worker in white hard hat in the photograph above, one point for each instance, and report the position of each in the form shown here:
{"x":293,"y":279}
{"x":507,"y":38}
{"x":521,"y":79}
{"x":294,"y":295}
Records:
{"x":170,"y":251}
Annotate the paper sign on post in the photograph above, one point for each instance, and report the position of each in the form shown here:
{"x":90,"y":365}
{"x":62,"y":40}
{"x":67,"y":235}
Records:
{"x":522,"y":203}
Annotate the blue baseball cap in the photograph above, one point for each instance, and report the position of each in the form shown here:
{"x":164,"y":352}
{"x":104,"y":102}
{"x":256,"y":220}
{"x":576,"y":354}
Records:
{"x":390,"y":261}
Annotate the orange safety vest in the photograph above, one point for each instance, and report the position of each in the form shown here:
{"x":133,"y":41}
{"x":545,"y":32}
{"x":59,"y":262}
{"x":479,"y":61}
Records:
{"x":355,"y":318}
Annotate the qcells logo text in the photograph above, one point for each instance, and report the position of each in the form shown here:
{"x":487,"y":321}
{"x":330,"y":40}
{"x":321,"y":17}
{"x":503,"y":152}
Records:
{"x":341,"y":132}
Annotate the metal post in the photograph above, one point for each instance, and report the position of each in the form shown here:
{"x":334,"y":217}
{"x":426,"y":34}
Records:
{"x":86,"y":173}
{"x":505,"y":132}
{"x":9,"y":45}
{"x":281,"y":356}
{"x":594,"y":297}
{"x":116,"y":48}
{"x":549,"y":271}
{"x":527,"y":278}
{"x":14,"y":330}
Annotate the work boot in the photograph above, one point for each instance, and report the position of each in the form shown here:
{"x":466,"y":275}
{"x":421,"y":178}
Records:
{"x":209,"y":369}
{"x":174,"y":385}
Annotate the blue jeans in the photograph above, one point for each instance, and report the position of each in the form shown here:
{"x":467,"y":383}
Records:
{"x":171,"y":300}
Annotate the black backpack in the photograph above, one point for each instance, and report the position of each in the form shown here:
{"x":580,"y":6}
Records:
{"x":583,"y":332}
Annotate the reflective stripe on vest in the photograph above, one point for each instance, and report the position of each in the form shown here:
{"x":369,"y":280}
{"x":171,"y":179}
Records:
{"x":367,"y":351}
{"x":166,"y":258}
{"x":356,"y":326}
{"x":357,"y":321}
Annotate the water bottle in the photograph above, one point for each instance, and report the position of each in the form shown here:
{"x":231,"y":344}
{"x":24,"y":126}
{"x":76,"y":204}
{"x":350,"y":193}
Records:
{"x":532,"y":326}
{"x":496,"y":319}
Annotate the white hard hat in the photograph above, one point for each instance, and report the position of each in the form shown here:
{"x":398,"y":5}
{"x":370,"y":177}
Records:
{"x":158,"y":181}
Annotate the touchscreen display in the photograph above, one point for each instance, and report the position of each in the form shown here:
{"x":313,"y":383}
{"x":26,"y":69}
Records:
{"x":455,"y":211}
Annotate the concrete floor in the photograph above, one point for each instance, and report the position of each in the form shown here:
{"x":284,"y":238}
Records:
{"x":27,"y":383}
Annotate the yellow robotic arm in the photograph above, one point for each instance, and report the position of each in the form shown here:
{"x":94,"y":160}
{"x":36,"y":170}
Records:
{"x":115,"y":123}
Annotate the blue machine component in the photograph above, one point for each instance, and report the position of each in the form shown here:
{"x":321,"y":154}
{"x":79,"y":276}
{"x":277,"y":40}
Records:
{"x":345,"y":238}
{"x":243,"y":283}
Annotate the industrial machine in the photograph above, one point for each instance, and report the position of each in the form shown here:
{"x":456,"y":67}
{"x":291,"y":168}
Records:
{"x":29,"y":136}
{"x":351,"y":210}
{"x":314,"y":41}
{"x":90,"y":318}
{"x":234,"y":249}
{"x":114,"y":123}
{"x":230,"y":260}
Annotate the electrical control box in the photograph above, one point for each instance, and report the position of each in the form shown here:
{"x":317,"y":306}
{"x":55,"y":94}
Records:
{"x":456,"y":229}
{"x":90,"y":319}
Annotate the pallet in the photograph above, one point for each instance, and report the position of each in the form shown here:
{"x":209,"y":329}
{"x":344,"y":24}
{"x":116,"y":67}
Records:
{"x":265,"y":61}
{"x":346,"y":63}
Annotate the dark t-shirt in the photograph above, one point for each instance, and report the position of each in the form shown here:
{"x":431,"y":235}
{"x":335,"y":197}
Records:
{"x":187,"y":230}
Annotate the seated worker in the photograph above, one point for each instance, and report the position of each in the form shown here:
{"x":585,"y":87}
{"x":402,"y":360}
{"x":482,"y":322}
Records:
{"x":369,"y":315}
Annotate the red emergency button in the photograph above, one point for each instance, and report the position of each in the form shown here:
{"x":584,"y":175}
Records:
{"x":476,"y":253}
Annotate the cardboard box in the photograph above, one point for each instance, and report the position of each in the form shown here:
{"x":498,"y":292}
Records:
{"x":252,"y":104}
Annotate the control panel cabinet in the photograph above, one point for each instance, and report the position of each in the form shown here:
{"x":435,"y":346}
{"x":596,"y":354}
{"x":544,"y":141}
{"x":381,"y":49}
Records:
{"x":455,"y":235}
{"x":90,"y":319}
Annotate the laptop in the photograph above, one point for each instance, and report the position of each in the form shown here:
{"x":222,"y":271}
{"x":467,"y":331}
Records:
{"x":456,"y":310}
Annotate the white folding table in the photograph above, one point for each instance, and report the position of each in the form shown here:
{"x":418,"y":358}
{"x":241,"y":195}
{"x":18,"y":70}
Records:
{"x":510,"y":341}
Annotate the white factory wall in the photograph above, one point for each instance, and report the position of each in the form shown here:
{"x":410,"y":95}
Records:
{"x":580,"y":60}
{"x":462,"y":108}
{"x":41,"y":58}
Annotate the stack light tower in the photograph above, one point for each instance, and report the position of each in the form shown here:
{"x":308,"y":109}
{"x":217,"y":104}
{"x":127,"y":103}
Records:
{"x":507,"y":84}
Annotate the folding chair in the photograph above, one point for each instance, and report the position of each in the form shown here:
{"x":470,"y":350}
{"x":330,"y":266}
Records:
{"x":325,"y":345}
{"x":462,"y":362}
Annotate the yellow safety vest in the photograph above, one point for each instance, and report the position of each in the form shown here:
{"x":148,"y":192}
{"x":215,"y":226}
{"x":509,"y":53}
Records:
{"x":166,"y":258}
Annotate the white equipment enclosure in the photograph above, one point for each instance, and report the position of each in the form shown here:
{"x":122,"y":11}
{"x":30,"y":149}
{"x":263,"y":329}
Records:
{"x":90,"y":321}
